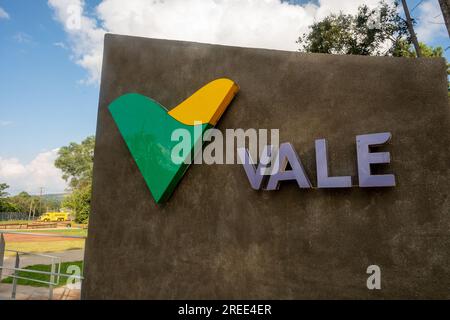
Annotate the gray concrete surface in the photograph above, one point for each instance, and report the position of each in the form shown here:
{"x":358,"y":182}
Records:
{"x":38,"y":293}
{"x":218,"y":238}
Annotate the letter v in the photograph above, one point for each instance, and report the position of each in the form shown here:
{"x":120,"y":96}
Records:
{"x":255,"y":175}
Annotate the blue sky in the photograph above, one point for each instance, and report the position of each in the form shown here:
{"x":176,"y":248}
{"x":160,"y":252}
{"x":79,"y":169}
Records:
{"x":42,"y":105}
{"x":49,"y":74}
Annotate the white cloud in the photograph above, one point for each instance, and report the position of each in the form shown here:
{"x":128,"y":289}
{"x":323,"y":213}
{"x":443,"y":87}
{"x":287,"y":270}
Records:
{"x":61,"y":45}
{"x":29,"y":177}
{"x":3,"y":14}
{"x":430,"y":21}
{"x":23,"y":38}
{"x":4,"y":123}
{"x":248,"y":23}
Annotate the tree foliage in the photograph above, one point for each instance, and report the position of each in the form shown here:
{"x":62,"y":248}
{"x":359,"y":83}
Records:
{"x":79,"y":201}
{"x":3,"y":187}
{"x":5,"y":205}
{"x":378,"y":31}
{"x":25,"y":203}
{"x":76,"y":162}
{"x":405,"y":49}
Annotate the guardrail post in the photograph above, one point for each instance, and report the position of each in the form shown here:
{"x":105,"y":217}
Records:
{"x":52,"y":279}
{"x":2,"y":254}
{"x":16,"y":273}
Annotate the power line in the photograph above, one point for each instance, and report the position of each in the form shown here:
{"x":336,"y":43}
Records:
{"x":420,"y":2}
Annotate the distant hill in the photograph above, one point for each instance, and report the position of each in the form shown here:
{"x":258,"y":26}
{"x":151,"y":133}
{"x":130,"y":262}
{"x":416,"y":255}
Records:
{"x":54,"y":196}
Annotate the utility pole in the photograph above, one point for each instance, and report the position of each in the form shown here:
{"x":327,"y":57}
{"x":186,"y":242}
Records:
{"x":445,"y":8}
{"x":411,"y":29}
{"x":40,"y":199}
{"x":31,"y":208}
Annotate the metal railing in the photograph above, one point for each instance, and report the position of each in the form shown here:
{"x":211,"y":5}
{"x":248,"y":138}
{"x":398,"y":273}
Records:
{"x":54,"y":274}
{"x":7,"y":216}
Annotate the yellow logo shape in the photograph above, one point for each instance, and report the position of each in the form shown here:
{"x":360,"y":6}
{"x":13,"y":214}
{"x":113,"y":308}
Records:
{"x":207,"y":104}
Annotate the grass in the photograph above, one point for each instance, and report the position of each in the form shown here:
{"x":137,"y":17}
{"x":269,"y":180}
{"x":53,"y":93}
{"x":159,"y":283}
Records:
{"x":13,"y":221}
{"x":62,"y":232}
{"x":44,"y":246}
{"x":40,"y":246}
{"x":43,"y":277}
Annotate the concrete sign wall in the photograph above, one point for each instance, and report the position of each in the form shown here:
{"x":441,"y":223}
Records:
{"x":218,"y":238}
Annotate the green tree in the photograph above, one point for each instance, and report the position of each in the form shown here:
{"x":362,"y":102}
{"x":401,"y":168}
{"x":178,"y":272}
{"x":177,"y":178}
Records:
{"x":26,"y":203}
{"x":405,"y":49}
{"x":3,"y":187}
{"x":75,"y":161}
{"x":79,"y":201}
{"x":378,"y":31}
{"x":5,"y":204}
{"x":3,"y":194}
{"x":22,"y":201}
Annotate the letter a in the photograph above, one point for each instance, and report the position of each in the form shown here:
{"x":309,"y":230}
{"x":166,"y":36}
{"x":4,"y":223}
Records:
{"x":287,"y":155}
{"x":374,"y":281}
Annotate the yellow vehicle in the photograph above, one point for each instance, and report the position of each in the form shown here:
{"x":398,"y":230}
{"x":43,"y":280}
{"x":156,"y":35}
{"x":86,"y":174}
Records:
{"x":55,"y":217}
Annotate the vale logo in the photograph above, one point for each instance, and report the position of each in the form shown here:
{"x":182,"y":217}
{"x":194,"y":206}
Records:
{"x":146,"y":126}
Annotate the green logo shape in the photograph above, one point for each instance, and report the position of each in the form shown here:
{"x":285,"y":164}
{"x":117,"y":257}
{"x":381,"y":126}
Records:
{"x":146,"y":126}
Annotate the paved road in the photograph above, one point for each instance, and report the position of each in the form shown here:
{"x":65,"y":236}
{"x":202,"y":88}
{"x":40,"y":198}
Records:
{"x":38,"y":293}
{"x":28,"y":260}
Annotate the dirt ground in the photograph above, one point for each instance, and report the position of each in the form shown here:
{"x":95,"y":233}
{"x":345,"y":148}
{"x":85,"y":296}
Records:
{"x":30,"y":238}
